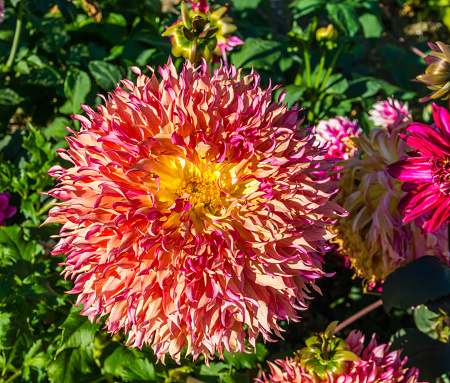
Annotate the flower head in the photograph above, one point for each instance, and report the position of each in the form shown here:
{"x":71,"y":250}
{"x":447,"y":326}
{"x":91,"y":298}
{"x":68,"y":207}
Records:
{"x":373,"y":237}
{"x":190,"y":212}
{"x":6,"y":211}
{"x":203,"y":32}
{"x":389,"y":114}
{"x":350,"y":362}
{"x":437,"y":74}
{"x":337,"y":132}
{"x":427,"y":172}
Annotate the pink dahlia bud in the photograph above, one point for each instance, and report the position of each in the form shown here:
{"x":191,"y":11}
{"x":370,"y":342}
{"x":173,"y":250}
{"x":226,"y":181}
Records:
{"x":190,"y":212}
{"x":6,"y":211}
{"x":342,"y":361}
{"x":372,"y":236}
{"x":426,"y":175}
{"x":2,"y":10}
{"x":337,"y":133}
{"x":390,"y":113}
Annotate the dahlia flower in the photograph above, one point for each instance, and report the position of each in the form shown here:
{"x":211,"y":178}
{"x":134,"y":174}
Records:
{"x":190,"y":212}
{"x":6,"y":211}
{"x":373,"y":237}
{"x":390,"y":113}
{"x":335,"y":360}
{"x":209,"y":33}
{"x":437,"y":74}
{"x":337,"y":132}
{"x":427,"y":172}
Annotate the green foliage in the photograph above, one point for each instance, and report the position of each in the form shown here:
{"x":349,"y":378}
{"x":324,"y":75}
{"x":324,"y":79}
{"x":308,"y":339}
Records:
{"x":426,"y":279}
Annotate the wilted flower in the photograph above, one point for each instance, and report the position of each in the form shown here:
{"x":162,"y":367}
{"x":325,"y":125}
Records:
{"x":427,"y":173}
{"x":373,"y":237}
{"x":390,"y":113}
{"x":202,"y":32}
{"x":336,"y":360}
{"x":337,"y":132}
{"x":189,"y":211}
{"x":437,"y":74}
{"x":6,"y":211}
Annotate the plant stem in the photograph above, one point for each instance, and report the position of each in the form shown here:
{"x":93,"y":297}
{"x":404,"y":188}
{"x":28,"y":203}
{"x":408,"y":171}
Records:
{"x":307,"y":65}
{"x":15,"y":43}
{"x":321,"y":66}
{"x":331,"y":67}
{"x":358,"y":315}
{"x":14,"y":376}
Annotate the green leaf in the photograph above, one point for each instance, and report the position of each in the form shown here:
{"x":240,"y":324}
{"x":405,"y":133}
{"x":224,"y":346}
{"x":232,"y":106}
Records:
{"x":257,"y":53}
{"x":9,"y":97}
{"x":105,"y":74}
{"x":303,"y":7}
{"x":240,"y":5}
{"x":129,"y":365}
{"x":425,"y":279}
{"x":13,"y":246}
{"x":246,"y":360}
{"x":213,"y":369}
{"x":344,"y":15}
{"x":424,"y":321}
{"x":78,"y":331}
{"x":72,"y":366}
{"x":57,"y":128}
{"x":430,"y":356}
{"x":371,"y":25}
{"x":76,"y":87}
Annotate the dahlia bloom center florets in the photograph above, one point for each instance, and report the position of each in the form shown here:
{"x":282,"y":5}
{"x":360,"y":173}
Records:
{"x":201,"y":189}
{"x":441,"y":174}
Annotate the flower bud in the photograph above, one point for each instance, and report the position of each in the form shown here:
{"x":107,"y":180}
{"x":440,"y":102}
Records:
{"x":325,"y":355}
{"x":437,"y":74}
{"x":329,"y":33}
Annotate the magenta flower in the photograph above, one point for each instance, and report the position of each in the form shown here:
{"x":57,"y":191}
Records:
{"x":6,"y":211}
{"x":337,"y":133}
{"x":427,"y":173}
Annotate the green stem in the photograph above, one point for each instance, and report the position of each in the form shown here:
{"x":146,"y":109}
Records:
{"x":307,"y":65}
{"x":14,"y":376}
{"x":321,"y":66}
{"x":331,"y":67}
{"x":15,"y":43}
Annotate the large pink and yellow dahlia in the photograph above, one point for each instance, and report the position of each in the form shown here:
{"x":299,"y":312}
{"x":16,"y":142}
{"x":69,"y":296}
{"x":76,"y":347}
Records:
{"x":374,"y":363}
{"x":190,"y":212}
{"x":427,"y":172}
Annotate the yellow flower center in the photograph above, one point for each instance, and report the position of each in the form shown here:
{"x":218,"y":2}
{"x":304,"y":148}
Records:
{"x":201,"y":190}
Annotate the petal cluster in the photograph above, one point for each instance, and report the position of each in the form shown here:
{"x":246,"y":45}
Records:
{"x":190,"y":215}
{"x":426,"y":174}
{"x":389,"y":114}
{"x":437,"y":74}
{"x":6,"y":211}
{"x":373,"y":237}
{"x":376,"y":363}
{"x":337,"y":133}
